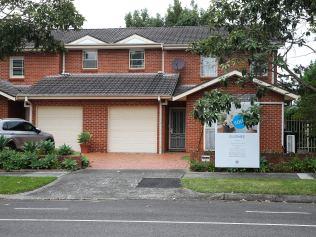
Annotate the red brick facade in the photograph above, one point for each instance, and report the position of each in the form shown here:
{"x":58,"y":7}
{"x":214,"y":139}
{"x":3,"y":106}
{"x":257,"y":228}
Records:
{"x":36,"y":67}
{"x":95,"y":112}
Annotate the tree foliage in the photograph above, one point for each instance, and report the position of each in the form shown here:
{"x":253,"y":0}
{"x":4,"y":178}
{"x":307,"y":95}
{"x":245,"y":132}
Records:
{"x":212,"y":104}
{"x":306,"y":106}
{"x":176,"y":15}
{"x":26,"y":23}
{"x":258,"y":29}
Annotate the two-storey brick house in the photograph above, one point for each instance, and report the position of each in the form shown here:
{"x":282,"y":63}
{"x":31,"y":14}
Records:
{"x":132,"y":88}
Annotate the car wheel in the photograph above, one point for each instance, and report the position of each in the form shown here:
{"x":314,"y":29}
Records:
{"x":51,"y":140}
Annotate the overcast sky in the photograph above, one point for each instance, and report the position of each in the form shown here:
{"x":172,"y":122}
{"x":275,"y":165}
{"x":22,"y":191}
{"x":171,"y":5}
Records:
{"x":111,"y":13}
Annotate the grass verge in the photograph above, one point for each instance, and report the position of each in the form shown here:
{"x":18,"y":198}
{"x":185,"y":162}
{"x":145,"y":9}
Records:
{"x":16,"y":184}
{"x":251,"y":186}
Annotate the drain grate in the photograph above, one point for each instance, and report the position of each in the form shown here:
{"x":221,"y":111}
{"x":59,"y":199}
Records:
{"x":159,"y":183}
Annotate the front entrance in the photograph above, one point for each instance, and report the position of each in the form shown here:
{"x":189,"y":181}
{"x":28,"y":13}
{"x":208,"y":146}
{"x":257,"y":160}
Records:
{"x":177,"y":129}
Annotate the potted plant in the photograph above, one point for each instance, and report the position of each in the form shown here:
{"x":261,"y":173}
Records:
{"x":84,"y":139}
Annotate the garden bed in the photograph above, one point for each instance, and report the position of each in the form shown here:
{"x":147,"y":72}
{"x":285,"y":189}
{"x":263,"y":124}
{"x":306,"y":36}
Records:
{"x":275,"y":163}
{"x":42,"y":155}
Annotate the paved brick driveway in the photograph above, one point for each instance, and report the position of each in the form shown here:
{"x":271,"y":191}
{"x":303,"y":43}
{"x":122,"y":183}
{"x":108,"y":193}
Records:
{"x":137,"y":161}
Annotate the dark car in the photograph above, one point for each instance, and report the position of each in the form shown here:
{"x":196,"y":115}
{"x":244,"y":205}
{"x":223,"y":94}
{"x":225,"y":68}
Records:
{"x":19,"y":131}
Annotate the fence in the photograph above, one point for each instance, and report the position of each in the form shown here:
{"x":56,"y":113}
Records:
{"x":302,"y":131}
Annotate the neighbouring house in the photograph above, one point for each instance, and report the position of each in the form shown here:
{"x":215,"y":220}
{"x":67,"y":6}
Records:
{"x":132,"y":88}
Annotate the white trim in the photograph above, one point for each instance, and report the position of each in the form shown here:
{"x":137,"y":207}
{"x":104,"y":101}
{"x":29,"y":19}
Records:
{"x":276,"y":89}
{"x":64,"y":63}
{"x":87,"y":40}
{"x":135,"y":39}
{"x":11,"y":67}
{"x":128,"y":46}
{"x":90,"y":50}
{"x":160,"y":125}
{"x":207,"y":84}
{"x":238,"y":74}
{"x":45,"y":97}
{"x":129,"y":59}
{"x":282,"y":133}
{"x":7,"y":96}
{"x":162,"y":58}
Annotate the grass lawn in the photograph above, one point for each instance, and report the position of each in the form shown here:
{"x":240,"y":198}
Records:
{"x":252,"y":186}
{"x":16,"y":184}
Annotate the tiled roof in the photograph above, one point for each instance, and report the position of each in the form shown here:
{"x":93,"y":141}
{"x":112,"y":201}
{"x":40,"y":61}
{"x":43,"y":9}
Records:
{"x":110,"y":84}
{"x":166,"y":35}
{"x":8,"y":88}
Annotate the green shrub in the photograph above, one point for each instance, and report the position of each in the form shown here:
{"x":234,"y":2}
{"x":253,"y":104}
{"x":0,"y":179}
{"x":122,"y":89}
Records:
{"x":46,"y":147}
{"x":3,"y":142}
{"x":311,"y":165}
{"x":85,"y":162}
{"x":50,"y":161}
{"x":264,"y":166}
{"x":14,"y":161}
{"x":65,"y":150}
{"x":283,"y":167}
{"x":30,"y":146}
{"x":84,"y":137}
{"x":69,"y":164}
{"x":200,"y":166}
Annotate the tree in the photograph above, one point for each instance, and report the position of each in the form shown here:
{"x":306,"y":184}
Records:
{"x":176,"y":15}
{"x":306,"y":108}
{"x":261,"y":30}
{"x":142,"y":19}
{"x":208,"y":109}
{"x":29,"y":24}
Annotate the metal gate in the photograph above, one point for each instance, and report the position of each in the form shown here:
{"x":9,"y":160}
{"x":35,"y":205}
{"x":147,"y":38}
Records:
{"x":302,"y":131}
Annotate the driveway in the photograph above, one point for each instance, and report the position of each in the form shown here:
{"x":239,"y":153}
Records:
{"x":110,"y":184}
{"x":138,"y":161}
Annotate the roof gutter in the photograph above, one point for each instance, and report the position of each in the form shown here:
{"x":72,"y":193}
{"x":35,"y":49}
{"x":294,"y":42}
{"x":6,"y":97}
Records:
{"x":10,"y":97}
{"x":61,"y":97}
{"x":128,"y":46}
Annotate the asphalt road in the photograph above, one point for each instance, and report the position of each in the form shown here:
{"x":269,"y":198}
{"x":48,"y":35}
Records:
{"x":116,"y":218}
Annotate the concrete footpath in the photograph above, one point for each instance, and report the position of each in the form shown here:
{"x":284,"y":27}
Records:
{"x":144,"y":184}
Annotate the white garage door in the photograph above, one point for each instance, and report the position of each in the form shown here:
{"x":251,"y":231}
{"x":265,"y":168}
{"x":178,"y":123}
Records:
{"x":64,"y":122}
{"x":132,"y":129}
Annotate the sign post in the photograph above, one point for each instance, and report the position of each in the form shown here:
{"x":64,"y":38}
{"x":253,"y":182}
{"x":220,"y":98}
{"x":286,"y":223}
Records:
{"x":235,"y":145}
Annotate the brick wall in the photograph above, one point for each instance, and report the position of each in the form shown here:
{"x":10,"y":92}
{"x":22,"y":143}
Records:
{"x":95,"y":116}
{"x":270,"y":126}
{"x":3,"y":107}
{"x":36,"y":66}
{"x":113,"y":61}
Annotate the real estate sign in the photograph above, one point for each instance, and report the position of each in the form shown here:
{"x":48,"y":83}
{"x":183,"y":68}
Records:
{"x":235,"y":145}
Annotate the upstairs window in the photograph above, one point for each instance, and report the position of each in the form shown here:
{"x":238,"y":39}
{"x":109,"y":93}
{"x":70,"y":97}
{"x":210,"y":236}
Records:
{"x":17,"y":67}
{"x":259,"y":69}
{"x":209,"y":66}
{"x":136,"y":59}
{"x":90,"y":59}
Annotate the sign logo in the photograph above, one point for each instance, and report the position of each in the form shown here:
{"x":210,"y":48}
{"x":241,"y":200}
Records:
{"x":238,"y":121}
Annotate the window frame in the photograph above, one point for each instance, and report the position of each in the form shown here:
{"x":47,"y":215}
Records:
{"x":251,"y":69}
{"x":204,"y":136}
{"x":83,"y":59}
{"x":130,"y":59}
{"x":11,"y":67}
{"x":201,"y":67}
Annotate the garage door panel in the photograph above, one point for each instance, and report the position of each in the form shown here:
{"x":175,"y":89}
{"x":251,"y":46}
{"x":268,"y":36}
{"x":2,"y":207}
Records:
{"x":132,"y":129}
{"x":65,"y":123}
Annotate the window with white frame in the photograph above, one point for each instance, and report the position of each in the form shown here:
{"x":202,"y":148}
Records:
{"x":137,"y":59}
{"x":209,"y":137}
{"x":209,"y":66}
{"x":90,"y":59}
{"x":17,"y":67}
{"x":259,"y":69}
